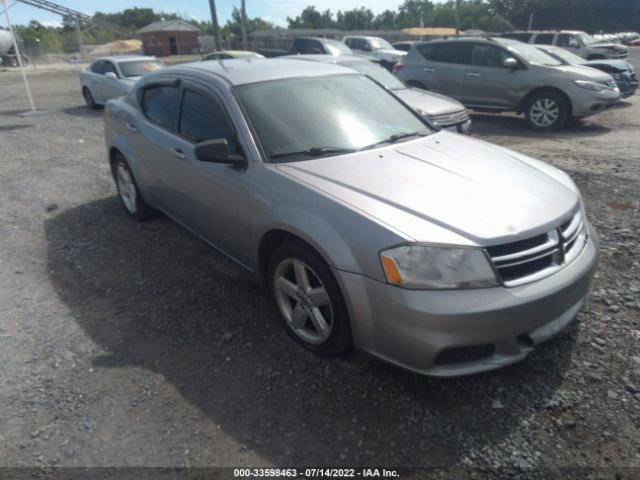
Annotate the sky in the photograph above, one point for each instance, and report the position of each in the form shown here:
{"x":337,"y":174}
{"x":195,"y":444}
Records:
{"x":275,"y":11}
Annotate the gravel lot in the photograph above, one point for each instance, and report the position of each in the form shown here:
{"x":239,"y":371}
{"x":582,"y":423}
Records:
{"x":127,"y":344}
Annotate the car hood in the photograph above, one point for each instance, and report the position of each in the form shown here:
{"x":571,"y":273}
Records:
{"x":618,"y":65}
{"x":582,"y":72}
{"x":391,"y":51}
{"x":615,"y":46}
{"x":429,"y":102}
{"x":480,"y":193}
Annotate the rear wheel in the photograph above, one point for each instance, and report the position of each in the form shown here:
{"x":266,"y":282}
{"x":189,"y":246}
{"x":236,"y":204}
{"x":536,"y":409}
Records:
{"x":88,"y":98}
{"x":547,"y":111}
{"x":311,"y":306}
{"x":130,"y":196}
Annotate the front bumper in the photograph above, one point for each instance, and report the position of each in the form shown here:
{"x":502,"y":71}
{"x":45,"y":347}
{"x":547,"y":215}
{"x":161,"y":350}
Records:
{"x":586,"y":102}
{"x":464,"y":127}
{"x":433,"y":332}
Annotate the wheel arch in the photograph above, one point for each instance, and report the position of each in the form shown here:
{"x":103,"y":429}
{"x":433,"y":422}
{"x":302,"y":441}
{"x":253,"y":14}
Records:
{"x":535,"y":91}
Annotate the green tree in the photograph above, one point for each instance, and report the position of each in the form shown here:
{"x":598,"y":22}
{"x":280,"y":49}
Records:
{"x":311,"y":18}
{"x":356,"y":19}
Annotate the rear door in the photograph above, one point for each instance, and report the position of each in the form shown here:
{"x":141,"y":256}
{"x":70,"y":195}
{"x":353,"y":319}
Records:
{"x":488,"y":84}
{"x":95,"y":80}
{"x":444,"y":66}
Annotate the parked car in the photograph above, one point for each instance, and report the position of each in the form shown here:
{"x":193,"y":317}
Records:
{"x":229,"y":54}
{"x":442,"y":112}
{"x":578,"y":42}
{"x":309,"y":45}
{"x":374,"y":48}
{"x":621,"y":70}
{"x":112,"y":77}
{"x":434,"y":251}
{"x":498,"y":74}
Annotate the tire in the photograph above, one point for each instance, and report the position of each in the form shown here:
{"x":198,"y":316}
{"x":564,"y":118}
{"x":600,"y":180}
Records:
{"x":417,"y":84}
{"x":547,"y":111}
{"x":130,"y":196}
{"x":88,"y":98}
{"x":308,"y":298}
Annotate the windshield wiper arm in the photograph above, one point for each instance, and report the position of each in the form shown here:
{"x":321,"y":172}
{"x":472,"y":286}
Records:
{"x":315,"y":152}
{"x":393,"y":139}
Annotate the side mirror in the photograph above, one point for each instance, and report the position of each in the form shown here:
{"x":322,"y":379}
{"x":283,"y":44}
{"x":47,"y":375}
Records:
{"x":366,"y":47}
{"x":510,"y":63}
{"x":111,"y":76}
{"x":217,"y":151}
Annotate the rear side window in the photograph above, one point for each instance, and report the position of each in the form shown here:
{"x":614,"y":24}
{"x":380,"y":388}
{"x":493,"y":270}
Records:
{"x":458,"y":52}
{"x":544,"y":39}
{"x":202,"y":118}
{"x":158,"y":104}
{"x":98,"y":67}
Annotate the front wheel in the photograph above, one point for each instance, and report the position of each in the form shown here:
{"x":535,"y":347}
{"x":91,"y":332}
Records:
{"x":311,"y":306}
{"x":547,"y":111}
{"x":88,"y":98}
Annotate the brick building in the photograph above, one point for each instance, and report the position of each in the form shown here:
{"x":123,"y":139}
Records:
{"x":170,"y":37}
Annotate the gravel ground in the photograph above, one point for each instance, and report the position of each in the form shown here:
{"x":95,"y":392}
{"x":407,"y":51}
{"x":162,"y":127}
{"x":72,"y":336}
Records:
{"x":127,"y":344}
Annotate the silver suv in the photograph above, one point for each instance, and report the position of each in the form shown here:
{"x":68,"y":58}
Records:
{"x":498,"y":74}
{"x":580,"y":43}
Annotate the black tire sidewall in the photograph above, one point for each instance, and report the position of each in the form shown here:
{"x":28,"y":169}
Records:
{"x":88,"y":98}
{"x":339,"y":340}
{"x":562,"y":117}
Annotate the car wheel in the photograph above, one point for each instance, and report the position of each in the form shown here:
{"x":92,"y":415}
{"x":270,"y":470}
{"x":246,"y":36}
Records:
{"x":547,"y":111}
{"x":311,"y":306}
{"x":130,"y":196}
{"x":88,"y":98}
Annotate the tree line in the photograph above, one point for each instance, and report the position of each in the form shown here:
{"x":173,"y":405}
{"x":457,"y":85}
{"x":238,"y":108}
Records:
{"x":488,"y":15}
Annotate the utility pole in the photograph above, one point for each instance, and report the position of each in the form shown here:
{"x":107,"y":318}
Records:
{"x":80,"y":42}
{"x":214,"y":24}
{"x":457,"y":18}
{"x":244,"y":25}
{"x":530,"y":21}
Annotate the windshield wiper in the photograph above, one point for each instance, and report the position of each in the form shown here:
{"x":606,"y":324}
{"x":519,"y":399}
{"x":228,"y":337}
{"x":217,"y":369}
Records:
{"x":393,"y":139}
{"x":315,"y":152}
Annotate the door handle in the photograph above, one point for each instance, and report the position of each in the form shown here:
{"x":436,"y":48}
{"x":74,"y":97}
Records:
{"x":473,"y":74}
{"x":132,"y":127}
{"x":427,"y":69}
{"x":178,"y":153}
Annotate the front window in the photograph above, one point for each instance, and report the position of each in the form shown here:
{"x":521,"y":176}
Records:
{"x":380,"y":44}
{"x":379,"y":74}
{"x":303,"y":118}
{"x":586,"y":38}
{"x":338,"y":48}
{"x":137,"y":68}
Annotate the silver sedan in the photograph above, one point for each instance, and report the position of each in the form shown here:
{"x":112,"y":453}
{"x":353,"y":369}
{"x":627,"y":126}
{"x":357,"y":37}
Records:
{"x":112,"y":77}
{"x":434,"y":251}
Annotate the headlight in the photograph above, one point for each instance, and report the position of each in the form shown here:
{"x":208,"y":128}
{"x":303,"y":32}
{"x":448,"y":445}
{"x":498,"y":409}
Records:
{"x":589,"y":85}
{"x":435,"y":267}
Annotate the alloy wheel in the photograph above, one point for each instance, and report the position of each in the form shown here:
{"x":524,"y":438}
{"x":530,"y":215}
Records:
{"x":126,"y":187}
{"x":303,"y":301}
{"x":544,"y":112}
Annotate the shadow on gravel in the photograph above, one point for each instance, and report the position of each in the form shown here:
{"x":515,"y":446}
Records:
{"x":155,"y":297}
{"x":82,"y":111}
{"x":516,"y":126}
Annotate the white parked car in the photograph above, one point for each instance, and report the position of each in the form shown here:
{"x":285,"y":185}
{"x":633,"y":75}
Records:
{"x":112,"y":77}
{"x":375,"y":49}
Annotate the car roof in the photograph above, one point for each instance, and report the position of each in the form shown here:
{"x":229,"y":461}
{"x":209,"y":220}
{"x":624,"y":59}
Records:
{"x":125,"y":58}
{"x":242,"y":71}
{"x":328,"y":58}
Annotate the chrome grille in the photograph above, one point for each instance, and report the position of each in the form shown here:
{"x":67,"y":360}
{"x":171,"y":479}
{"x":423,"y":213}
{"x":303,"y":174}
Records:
{"x":534,"y":258}
{"x":449,"y":119}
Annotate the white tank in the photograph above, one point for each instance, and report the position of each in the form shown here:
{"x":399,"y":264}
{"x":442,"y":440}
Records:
{"x":6,"y":42}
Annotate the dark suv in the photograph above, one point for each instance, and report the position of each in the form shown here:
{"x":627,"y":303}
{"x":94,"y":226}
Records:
{"x":498,"y":74}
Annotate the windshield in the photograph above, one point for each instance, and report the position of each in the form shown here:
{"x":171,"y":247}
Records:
{"x":586,"y":38}
{"x":137,"y":68}
{"x":380,"y":43}
{"x":330,"y":115}
{"x":565,"y":56}
{"x":532,"y":55}
{"x":338,"y":48}
{"x":377,"y":73}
